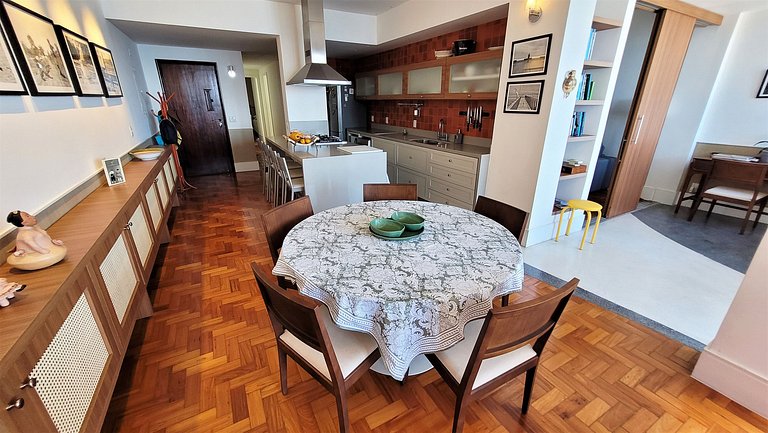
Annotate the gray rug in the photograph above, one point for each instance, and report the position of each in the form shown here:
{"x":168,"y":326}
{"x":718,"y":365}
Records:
{"x":616,"y":308}
{"x":718,"y":238}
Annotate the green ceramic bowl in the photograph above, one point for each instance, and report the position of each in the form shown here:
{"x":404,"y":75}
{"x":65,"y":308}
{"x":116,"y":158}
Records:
{"x":411,"y":221}
{"x":387,"y":227}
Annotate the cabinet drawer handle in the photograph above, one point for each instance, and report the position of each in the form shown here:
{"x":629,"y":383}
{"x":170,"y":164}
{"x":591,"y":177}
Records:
{"x":15,"y":404}
{"x":450,"y":160}
{"x":410,"y":157}
{"x":128,"y":226}
{"x":157,"y":179}
{"x":449,"y":174}
{"x":447,"y":189}
{"x":30,"y":382}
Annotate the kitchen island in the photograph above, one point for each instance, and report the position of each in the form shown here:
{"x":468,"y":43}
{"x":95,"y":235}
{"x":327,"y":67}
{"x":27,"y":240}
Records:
{"x":333,"y":176}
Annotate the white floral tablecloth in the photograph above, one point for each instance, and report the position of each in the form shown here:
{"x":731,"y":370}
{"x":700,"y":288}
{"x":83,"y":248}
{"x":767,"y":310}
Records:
{"x":412,"y":296}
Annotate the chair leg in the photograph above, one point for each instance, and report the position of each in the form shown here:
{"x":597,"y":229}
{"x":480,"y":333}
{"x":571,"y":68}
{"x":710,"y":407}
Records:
{"x":505,"y":300}
{"x":570,"y":220}
{"x":586,"y":229}
{"x":458,"y":415}
{"x":341,"y":407}
{"x":560,"y":223}
{"x":694,"y":208}
{"x":759,"y":214}
{"x":597,"y":226}
{"x":530,"y":378}
{"x":746,"y":218}
{"x":283,"y":362}
{"x":686,"y":184}
{"x":709,"y":211}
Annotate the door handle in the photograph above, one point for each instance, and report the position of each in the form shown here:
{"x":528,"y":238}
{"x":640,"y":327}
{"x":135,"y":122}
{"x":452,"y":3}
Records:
{"x":639,"y":128}
{"x":208,"y":99}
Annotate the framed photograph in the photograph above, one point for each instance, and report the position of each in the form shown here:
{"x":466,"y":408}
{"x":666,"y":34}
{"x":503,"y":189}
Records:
{"x":524,"y":97}
{"x":762,"y":92}
{"x":113,"y":170}
{"x":530,"y":56}
{"x":34,"y":42}
{"x":107,"y":71}
{"x":11,"y":82}
{"x":80,"y":62}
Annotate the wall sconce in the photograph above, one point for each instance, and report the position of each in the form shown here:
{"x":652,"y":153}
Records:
{"x":534,"y":11}
{"x":231,"y":71}
{"x":570,"y":82}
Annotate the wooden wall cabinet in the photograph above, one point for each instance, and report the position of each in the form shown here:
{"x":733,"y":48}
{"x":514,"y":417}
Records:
{"x":66,"y":334}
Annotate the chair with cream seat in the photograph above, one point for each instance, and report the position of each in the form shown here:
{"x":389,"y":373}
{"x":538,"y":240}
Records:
{"x":508,"y":342}
{"x":735,"y":182}
{"x":279,"y":221}
{"x":305,"y":331}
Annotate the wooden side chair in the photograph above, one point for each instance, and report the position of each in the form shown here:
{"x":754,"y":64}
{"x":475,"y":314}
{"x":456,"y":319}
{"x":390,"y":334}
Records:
{"x":512,"y":218}
{"x":735,"y":182}
{"x":390,"y":191}
{"x":305,"y":331}
{"x":279,"y":221}
{"x":508,"y":342}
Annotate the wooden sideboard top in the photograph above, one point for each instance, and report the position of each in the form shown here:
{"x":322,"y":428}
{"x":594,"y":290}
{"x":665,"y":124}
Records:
{"x":81,"y":229}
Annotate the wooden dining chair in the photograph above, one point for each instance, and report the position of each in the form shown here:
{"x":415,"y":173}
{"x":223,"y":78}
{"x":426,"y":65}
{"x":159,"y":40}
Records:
{"x":512,"y":218}
{"x":390,"y":191}
{"x":305,"y":331}
{"x":735,"y":182}
{"x":278,"y":222}
{"x":508,"y":342}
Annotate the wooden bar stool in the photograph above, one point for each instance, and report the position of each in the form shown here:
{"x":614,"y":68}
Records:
{"x":588,"y":207}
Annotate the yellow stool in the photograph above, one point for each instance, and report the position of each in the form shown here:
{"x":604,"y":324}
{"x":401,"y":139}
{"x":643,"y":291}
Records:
{"x":588,"y":207}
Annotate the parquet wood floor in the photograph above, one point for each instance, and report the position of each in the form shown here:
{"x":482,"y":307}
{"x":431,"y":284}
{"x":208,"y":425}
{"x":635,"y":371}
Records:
{"x":206,"y":360}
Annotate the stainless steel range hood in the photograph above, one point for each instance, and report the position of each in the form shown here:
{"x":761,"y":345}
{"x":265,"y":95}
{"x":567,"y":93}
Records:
{"x":316,"y":70}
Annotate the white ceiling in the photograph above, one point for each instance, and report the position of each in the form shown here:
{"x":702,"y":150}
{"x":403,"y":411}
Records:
{"x":365,"y":7}
{"x":727,"y":7}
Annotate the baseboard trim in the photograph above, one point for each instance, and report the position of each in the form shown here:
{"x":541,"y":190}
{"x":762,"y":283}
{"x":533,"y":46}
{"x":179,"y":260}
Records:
{"x":246,"y":166}
{"x":735,"y":381}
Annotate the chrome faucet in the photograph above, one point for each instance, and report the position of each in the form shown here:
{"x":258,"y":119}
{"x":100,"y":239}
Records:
{"x":441,"y":134}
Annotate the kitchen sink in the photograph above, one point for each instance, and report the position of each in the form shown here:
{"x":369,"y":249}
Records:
{"x":428,"y":141}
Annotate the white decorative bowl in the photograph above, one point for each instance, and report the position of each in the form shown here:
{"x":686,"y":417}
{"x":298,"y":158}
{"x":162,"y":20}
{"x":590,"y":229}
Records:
{"x":439,"y":54}
{"x":147,"y":154}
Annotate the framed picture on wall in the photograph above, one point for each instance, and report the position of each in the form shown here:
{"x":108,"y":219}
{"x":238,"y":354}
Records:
{"x":110,"y":83}
{"x":762,"y":92}
{"x":524,"y":97}
{"x":11,"y":82}
{"x":34,"y":42}
{"x":80,"y":62}
{"x":530,"y":56}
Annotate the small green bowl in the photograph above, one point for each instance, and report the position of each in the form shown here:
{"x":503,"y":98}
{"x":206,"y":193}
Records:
{"x":411,"y":221}
{"x":387,"y":227}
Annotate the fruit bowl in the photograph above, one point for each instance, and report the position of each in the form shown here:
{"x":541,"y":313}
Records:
{"x":147,"y":154}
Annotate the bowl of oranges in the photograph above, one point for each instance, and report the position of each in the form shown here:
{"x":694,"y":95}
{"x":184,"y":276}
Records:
{"x":301,"y":139}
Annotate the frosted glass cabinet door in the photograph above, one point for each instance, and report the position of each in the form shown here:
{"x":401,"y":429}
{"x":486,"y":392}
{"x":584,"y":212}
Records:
{"x":365,"y":86}
{"x":475,"y":77}
{"x":425,"y":81}
{"x":391,"y":84}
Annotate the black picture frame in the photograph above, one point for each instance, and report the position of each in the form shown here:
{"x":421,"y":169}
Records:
{"x":528,"y":88}
{"x":77,"y":53}
{"x":11,"y":81}
{"x":762,"y":92}
{"x":44,"y":68}
{"x":526,"y":53}
{"x":110,"y":82}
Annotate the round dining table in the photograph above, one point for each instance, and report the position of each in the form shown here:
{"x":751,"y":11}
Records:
{"x":413,"y":296}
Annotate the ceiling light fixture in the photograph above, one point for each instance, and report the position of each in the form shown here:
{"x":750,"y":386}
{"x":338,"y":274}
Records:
{"x":534,"y":11}
{"x":231,"y":71}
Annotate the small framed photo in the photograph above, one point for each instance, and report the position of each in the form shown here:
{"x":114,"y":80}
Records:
{"x":113,"y":169}
{"x":11,"y":82}
{"x":110,"y":83}
{"x":80,"y":62}
{"x":33,"y":39}
{"x":524,"y":97}
{"x":763,"y":91}
{"x":530,"y":56}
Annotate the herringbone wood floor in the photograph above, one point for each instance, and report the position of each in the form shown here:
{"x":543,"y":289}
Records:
{"x":206,"y":360}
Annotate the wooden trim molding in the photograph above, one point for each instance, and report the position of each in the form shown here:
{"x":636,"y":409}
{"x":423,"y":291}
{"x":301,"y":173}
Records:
{"x":701,"y":14}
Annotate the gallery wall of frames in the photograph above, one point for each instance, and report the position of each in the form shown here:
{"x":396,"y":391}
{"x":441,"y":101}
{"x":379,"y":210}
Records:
{"x":41,"y":58}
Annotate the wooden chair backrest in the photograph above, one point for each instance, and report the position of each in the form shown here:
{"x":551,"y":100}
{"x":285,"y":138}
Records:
{"x":509,"y":216}
{"x":288,"y":310}
{"x":390,"y":191}
{"x":738,"y":173}
{"x":531,"y":322}
{"x":279,"y":221}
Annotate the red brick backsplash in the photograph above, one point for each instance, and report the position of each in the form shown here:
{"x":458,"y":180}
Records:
{"x":486,"y":35}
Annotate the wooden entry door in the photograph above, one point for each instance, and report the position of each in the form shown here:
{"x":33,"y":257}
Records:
{"x":205,"y":147}
{"x":658,"y":80}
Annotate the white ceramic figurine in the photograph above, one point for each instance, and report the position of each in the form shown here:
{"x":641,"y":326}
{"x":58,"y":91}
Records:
{"x":34,"y":247}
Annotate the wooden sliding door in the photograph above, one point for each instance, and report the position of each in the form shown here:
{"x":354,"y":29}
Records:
{"x":668,"y":47}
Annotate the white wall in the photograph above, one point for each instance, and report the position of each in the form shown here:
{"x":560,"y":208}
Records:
{"x":733,"y":114}
{"x":735,"y":363}
{"x":684,"y":118}
{"x":233,"y":91}
{"x":51,"y":144}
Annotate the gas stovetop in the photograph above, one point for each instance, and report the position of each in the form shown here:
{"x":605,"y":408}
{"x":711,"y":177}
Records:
{"x":328,"y":140}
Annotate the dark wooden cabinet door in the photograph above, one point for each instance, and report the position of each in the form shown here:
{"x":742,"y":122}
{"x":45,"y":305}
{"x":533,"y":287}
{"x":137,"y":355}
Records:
{"x":205,"y":147}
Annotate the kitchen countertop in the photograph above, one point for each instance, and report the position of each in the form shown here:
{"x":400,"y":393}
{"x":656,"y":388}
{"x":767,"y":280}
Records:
{"x":300,"y":153}
{"x":459,"y":149}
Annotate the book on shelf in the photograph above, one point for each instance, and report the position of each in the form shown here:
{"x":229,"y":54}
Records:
{"x":577,"y":124}
{"x":590,"y":44}
{"x":585,"y":90}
